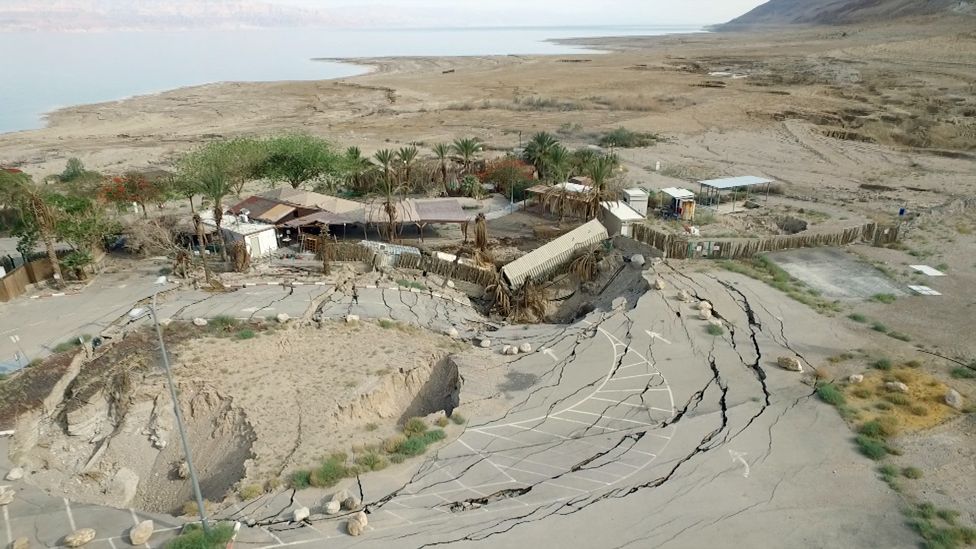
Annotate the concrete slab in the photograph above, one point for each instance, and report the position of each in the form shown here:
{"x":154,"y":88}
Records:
{"x":835,"y":273}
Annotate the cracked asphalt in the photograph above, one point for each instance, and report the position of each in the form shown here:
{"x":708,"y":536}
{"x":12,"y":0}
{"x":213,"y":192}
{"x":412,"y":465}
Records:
{"x":631,"y":428}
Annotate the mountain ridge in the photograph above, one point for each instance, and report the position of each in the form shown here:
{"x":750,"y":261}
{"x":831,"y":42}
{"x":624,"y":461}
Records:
{"x":840,"y":12}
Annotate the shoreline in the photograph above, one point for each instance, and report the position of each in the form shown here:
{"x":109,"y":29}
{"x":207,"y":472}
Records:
{"x":369,"y":65}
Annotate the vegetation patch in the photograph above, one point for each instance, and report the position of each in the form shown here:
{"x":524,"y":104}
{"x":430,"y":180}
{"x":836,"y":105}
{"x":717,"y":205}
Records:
{"x":881,"y":364}
{"x":762,"y":268}
{"x":411,"y":284}
{"x":871,"y":447}
{"x":962,"y":372}
{"x":627,"y":139}
{"x":885,"y":413}
{"x":715,"y":330}
{"x":887,"y":299}
{"x":857,"y":317}
{"x":938,"y":527}
{"x":194,"y":537}
{"x":829,"y":393}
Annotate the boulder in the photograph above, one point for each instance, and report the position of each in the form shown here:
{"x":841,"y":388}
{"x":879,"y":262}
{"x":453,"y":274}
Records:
{"x":485,"y":343}
{"x":165,"y":322}
{"x":450,"y":283}
{"x":896,"y":386}
{"x":16,"y":473}
{"x":953,"y":399}
{"x":301,"y":514}
{"x":352,"y":318}
{"x":790,"y":363}
{"x":140,"y":533}
{"x":354,"y":528}
{"x":702,"y":305}
{"x":618,"y":303}
{"x":683,"y":295}
{"x":351,"y":503}
{"x":332,"y":507}
{"x":453,"y":333}
{"x":340,"y":496}
{"x":361,"y":518}
{"x":716,"y":322}
{"x":79,"y":537}
{"x":855,"y":379}
{"x":637,"y":260}
{"x":705,"y":314}
{"x":506,"y":349}
{"x":6,"y":496}
{"x":525,"y":348}
{"x":201,"y":322}
{"x":282,"y":318}
{"x":20,"y":543}
{"x":183,"y":470}
{"x":659,"y":284}
{"x":514,"y":350}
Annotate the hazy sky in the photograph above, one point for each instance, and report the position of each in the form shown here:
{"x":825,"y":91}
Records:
{"x":542,"y":12}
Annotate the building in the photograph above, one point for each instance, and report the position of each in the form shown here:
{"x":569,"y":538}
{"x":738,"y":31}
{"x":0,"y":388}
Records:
{"x":619,"y":218}
{"x":712,"y":189}
{"x":636,"y":199}
{"x":546,"y":259}
{"x":260,"y":239}
{"x":679,"y":203}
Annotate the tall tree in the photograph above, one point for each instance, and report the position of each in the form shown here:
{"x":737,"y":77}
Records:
{"x":467,"y":150}
{"x":297,"y":159}
{"x":242,"y":159}
{"x":134,"y":187}
{"x":385,"y":158}
{"x":19,"y":189}
{"x":215,"y":185}
{"x":407,"y":156}
{"x":359,"y":171}
{"x":538,"y":152}
{"x":600,"y":171}
{"x":558,"y":164}
{"x":443,"y":153}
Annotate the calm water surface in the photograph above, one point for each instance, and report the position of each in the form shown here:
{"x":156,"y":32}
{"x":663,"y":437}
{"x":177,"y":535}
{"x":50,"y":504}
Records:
{"x":43,"y":71}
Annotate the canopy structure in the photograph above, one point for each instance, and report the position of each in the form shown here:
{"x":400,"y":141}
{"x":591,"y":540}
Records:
{"x":545,"y":259}
{"x":711,"y":189}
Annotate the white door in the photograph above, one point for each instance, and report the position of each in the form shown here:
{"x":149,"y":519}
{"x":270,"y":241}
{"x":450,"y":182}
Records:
{"x":255,"y":246}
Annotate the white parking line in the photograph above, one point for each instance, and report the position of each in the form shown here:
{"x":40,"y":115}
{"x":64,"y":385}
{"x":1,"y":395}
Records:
{"x":635,"y":391}
{"x":652,"y":374}
{"x":609,"y":418}
{"x":610,"y":429}
{"x":274,"y":537}
{"x":600,"y":482}
{"x":634,"y":365}
{"x":71,"y":517}
{"x":641,"y":406}
{"x":486,"y":458}
{"x":6,"y":523}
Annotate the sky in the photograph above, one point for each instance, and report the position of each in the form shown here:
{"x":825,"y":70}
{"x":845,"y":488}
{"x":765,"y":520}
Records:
{"x":536,"y":12}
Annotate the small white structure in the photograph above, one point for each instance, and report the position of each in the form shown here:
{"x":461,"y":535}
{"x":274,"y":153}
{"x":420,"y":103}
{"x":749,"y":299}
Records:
{"x":636,"y":199}
{"x":682,"y":203}
{"x":260,"y":239}
{"x":619,"y":218}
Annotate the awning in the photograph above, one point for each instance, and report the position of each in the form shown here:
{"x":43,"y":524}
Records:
{"x":735,"y":182}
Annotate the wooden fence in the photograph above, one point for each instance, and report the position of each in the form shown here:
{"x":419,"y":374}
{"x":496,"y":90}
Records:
{"x":352,"y":251}
{"x":448,"y":269}
{"x":680,"y":247}
{"x":16,"y":282}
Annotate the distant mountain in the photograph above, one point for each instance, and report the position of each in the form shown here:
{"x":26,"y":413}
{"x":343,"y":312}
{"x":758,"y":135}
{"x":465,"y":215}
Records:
{"x":93,"y":15}
{"x":838,"y":12}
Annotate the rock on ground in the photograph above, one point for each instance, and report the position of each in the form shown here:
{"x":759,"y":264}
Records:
{"x":351,"y":503}
{"x":896,"y":386}
{"x":525,"y":348}
{"x":340,"y":496}
{"x":352,"y":318}
{"x":140,"y":533}
{"x":361,"y":518}
{"x":6,"y":497}
{"x":659,"y":284}
{"x":79,"y":537}
{"x":716,"y":322}
{"x":453,"y":333}
{"x":702,"y":305}
{"x":790,"y":363}
{"x":124,"y":486}
{"x":485,"y":343}
{"x":637,"y":260}
{"x":954,"y":399}
{"x":506,"y":349}
{"x":201,"y":322}
{"x":856,"y":378}
{"x":16,"y":473}
{"x":705,"y":314}
{"x":332,"y":507}
{"x":20,"y":543}
{"x":183,"y":470}
{"x":683,"y":295}
{"x":301,"y":514}
{"x":354,"y":528}
{"x":283,"y":317}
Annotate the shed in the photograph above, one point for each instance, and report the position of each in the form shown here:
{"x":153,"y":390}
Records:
{"x":636,"y":199}
{"x":260,"y":239}
{"x":619,"y":218}
{"x":681,"y":203}
{"x":712,"y":189}
{"x":545,"y":259}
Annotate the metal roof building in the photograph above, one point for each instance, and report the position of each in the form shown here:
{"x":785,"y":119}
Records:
{"x":711,"y":189}
{"x":547,"y":258}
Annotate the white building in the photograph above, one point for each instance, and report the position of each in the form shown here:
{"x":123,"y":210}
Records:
{"x":260,"y":239}
{"x":636,"y":199}
{"x":619,"y":218}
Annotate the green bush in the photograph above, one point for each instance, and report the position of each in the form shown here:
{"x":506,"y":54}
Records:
{"x":829,"y":393}
{"x":881,"y":364}
{"x":413,"y":446}
{"x":434,"y":435}
{"x":897,"y":398}
{"x":883,"y":405}
{"x":387,"y":323}
{"x":443,"y":421}
{"x":371,"y":427}
{"x":912,"y":472}
{"x":397,"y":458}
{"x":627,"y":139}
{"x":414,"y":426}
{"x":715,"y":330}
{"x":300,"y":480}
{"x":858,"y":317}
{"x":371,"y":461}
{"x":887,"y":299}
{"x":410,"y":284}
{"x":888,"y":471}
{"x":458,"y":419}
{"x":873,"y":429}
{"x":963,"y":372}
{"x":871,"y":447}
{"x":900,"y":336}
{"x":250,"y":491}
{"x":329,"y":473}
{"x":246,"y":333}
{"x":879,"y":327}
{"x":195,"y":538}
{"x":222,"y":323}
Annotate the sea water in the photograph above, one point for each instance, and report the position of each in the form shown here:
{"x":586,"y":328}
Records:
{"x":43,"y":71}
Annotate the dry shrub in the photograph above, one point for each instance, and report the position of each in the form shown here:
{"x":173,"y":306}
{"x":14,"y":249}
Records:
{"x":391,"y":444}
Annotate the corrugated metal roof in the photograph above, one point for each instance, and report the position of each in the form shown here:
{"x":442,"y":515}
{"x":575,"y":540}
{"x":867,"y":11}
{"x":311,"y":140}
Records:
{"x":550,"y":256}
{"x":441,"y":210}
{"x":675,"y":192}
{"x":276,"y":214}
{"x":324,"y":218}
{"x":622,"y":211}
{"x":311,"y":199}
{"x":733,"y":182}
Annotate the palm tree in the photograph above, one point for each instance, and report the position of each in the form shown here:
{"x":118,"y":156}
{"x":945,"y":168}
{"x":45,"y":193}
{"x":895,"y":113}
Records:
{"x":600,"y":171}
{"x":538,"y":151}
{"x":443,"y":154}
{"x":358,"y":169}
{"x":558,"y":163}
{"x":215,"y":184}
{"x":198,"y":225}
{"x":389,"y":188}
{"x":481,"y":233}
{"x":18,"y":188}
{"x":407,"y":156}
{"x":467,"y":149}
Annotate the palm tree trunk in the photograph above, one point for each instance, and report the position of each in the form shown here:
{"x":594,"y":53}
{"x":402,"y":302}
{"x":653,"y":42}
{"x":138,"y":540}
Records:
{"x":192,"y":209}
{"x":52,"y":256}
{"x":447,"y":191}
{"x":203,"y":246}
